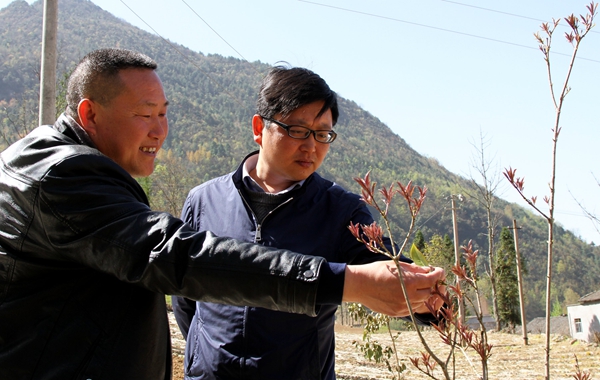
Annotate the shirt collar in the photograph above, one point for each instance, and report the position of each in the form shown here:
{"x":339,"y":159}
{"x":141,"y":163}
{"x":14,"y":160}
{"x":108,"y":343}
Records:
{"x":250,"y":183}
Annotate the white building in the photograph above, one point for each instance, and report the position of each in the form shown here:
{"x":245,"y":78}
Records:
{"x":584,"y":318}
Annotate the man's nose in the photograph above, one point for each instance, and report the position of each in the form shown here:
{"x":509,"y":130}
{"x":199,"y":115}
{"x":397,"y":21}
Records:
{"x":160,"y":129}
{"x":310,"y":143}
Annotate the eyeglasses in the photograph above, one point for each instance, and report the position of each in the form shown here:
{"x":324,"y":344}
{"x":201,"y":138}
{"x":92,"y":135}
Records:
{"x":300,"y":132}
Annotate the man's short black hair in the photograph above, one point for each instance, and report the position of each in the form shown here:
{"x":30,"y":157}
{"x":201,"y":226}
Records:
{"x":96,"y":76}
{"x":285,"y":89}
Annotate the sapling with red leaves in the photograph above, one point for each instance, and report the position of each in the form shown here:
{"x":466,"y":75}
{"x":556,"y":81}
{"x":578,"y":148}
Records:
{"x":579,"y":28}
{"x":452,"y":332}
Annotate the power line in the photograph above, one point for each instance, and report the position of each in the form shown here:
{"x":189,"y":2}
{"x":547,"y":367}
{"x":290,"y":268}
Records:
{"x":434,"y":214}
{"x":184,"y":56}
{"x":438,"y":28}
{"x":570,"y":213}
{"x":223,"y":39}
{"x":501,"y":12}
{"x":211,"y":28}
{"x":492,"y":10}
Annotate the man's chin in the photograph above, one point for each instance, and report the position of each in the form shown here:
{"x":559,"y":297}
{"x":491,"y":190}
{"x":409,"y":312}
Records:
{"x":141,"y":173}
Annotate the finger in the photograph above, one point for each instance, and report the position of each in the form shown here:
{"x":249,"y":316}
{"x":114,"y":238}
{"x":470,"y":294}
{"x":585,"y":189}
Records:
{"x":438,"y":272}
{"x":419,"y":295}
{"x":432,"y":305}
{"x":421,"y":309}
{"x":435,"y":276}
{"x":413,"y":268}
{"x":433,"y":273}
{"x":435,"y":302}
{"x":422,"y":283}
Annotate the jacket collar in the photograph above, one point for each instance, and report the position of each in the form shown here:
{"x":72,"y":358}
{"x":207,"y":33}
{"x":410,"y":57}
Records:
{"x":66,"y":125}
{"x":238,"y":175}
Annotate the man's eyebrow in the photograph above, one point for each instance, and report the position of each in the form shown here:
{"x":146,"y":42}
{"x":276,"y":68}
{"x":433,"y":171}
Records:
{"x":152,"y":104}
{"x":303,"y":123}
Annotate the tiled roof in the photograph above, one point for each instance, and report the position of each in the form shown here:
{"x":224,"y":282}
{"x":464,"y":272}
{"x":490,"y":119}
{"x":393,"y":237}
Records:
{"x":592,"y":297}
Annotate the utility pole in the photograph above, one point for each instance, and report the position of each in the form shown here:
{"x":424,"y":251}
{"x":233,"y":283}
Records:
{"x":47,"y":113}
{"x":520,"y":281}
{"x":461,"y":304}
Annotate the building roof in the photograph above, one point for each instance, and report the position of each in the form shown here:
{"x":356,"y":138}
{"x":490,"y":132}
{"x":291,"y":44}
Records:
{"x":591,"y":297}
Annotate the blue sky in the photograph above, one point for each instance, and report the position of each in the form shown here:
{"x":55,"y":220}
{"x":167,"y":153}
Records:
{"x":437,"y":72}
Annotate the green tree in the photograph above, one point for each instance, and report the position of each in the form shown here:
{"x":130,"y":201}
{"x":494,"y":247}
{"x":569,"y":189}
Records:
{"x":419,"y":241}
{"x":557,"y":309}
{"x":61,"y":92}
{"x":449,"y":247}
{"x":440,"y":252}
{"x":570,"y":296}
{"x":170,"y":183}
{"x":18,"y":117}
{"x":507,"y":291}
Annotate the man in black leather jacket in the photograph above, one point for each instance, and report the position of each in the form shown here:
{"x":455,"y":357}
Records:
{"x":85,"y":263}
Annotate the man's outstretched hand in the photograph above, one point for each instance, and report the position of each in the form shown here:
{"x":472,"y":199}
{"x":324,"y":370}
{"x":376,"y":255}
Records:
{"x":376,"y":286}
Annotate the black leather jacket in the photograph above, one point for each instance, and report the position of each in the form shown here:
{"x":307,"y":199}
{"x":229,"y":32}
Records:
{"x":85,"y":264}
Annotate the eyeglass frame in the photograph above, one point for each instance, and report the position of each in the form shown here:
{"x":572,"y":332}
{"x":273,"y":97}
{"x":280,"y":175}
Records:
{"x":287,"y":127}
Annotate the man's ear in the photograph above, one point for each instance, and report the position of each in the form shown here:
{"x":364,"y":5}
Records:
{"x":258,"y":125}
{"x":86,"y":110}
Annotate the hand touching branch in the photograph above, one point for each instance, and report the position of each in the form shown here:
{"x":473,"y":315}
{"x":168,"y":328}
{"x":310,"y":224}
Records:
{"x":376,"y":286}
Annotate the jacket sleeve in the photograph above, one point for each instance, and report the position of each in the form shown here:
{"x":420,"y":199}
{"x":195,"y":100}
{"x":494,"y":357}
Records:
{"x":93,"y":213}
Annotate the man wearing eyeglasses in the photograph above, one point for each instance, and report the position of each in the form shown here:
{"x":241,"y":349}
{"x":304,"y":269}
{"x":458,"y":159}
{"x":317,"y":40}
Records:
{"x":276,"y":198}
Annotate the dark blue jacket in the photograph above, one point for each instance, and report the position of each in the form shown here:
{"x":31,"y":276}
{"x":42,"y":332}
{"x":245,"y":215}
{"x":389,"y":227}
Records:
{"x":230,"y":342}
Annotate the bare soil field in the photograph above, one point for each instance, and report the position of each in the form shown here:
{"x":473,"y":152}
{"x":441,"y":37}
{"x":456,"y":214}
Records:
{"x":511,"y":359}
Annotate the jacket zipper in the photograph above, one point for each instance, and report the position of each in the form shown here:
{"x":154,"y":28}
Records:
{"x":258,"y":235}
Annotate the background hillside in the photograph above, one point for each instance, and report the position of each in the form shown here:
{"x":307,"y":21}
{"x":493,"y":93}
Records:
{"x":212,"y":101}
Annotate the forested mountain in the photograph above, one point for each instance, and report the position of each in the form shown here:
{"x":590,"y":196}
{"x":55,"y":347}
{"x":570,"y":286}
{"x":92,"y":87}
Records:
{"x":212,"y":102}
